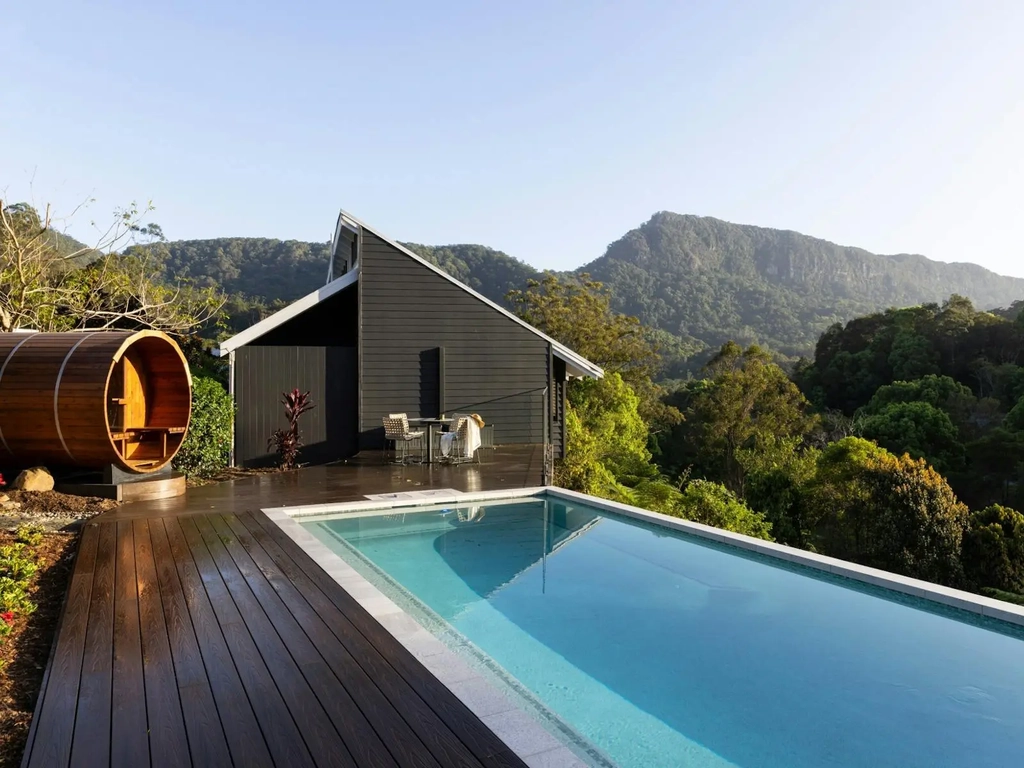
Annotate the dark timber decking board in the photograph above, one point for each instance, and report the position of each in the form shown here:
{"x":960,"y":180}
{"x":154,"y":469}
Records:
{"x":198,"y":633}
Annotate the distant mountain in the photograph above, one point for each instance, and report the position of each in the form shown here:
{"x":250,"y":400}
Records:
{"x":710,"y":280}
{"x":702,"y":280}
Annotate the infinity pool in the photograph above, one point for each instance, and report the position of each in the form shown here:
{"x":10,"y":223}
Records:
{"x":666,"y":650}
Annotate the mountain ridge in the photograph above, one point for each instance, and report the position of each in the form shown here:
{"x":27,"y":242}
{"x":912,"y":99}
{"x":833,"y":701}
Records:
{"x":706,"y":278}
{"x":701,"y":279}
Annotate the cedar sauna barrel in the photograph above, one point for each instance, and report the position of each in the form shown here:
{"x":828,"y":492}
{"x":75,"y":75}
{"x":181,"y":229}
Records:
{"x":93,"y":398}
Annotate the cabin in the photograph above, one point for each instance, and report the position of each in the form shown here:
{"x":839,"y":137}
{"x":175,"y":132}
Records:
{"x":390,"y":332}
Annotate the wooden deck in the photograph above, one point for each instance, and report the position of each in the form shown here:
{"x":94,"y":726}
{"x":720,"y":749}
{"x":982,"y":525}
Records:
{"x":195,"y":632}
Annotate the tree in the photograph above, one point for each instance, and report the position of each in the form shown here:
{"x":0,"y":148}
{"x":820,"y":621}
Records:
{"x":918,"y":523}
{"x":578,"y":313}
{"x":939,"y":391}
{"x":838,"y":505}
{"x":581,"y":469}
{"x":606,"y":440}
{"x":49,"y":282}
{"x":884,"y":511}
{"x":993,"y":549}
{"x":997,"y":467}
{"x":1015,"y":418}
{"x":912,"y":356}
{"x":953,"y":324}
{"x":713,"y":504}
{"x":918,"y":429}
{"x":777,"y":472}
{"x":748,"y":396}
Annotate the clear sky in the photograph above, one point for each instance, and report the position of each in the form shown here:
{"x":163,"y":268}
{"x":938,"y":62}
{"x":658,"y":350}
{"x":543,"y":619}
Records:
{"x":544,"y":129}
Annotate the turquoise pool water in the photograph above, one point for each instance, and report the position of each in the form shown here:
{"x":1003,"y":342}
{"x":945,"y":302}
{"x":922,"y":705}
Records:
{"x":664,"y":650}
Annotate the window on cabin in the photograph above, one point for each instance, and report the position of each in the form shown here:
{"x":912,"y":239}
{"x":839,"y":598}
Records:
{"x":346,"y":254}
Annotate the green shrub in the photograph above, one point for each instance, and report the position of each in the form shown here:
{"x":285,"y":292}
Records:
{"x":13,"y":596}
{"x":993,"y":549}
{"x":17,"y":563}
{"x":207,"y":447}
{"x":713,"y":504}
{"x":30,"y":534}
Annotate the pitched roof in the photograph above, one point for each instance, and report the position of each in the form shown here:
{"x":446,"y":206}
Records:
{"x":575,"y":363}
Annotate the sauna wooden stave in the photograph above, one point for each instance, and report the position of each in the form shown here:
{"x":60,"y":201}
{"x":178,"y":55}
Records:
{"x":80,"y":432}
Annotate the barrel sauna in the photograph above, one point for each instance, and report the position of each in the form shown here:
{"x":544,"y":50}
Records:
{"x":92,"y":399}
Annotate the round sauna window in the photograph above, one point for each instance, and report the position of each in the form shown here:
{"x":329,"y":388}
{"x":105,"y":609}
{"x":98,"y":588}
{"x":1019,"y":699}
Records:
{"x":149,"y":400}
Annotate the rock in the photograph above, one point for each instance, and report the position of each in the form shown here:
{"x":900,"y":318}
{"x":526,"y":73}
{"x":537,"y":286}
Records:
{"x":35,"y":479}
{"x":4,"y":498}
{"x":10,"y":505}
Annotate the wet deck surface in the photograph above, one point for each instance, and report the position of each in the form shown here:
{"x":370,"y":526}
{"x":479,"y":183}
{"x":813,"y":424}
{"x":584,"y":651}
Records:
{"x":195,"y":632}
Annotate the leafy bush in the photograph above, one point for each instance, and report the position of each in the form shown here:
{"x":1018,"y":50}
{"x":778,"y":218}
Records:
{"x":993,"y":549}
{"x":30,"y":534}
{"x":207,"y":447}
{"x":713,"y":504}
{"x":890,"y":512}
{"x":287,"y":442}
{"x":17,"y":563}
{"x":920,"y":429}
{"x":1015,"y":418}
{"x":14,"y":597}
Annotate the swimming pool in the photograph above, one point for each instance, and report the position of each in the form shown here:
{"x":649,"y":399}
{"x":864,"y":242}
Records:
{"x":660,"y":648}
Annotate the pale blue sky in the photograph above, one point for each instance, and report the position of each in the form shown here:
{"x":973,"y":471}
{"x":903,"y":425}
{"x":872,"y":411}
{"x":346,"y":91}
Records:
{"x":544,"y":129}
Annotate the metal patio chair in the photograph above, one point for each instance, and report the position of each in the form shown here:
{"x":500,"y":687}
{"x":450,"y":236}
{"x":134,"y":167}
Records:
{"x":457,"y":453}
{"x":406,"y":441}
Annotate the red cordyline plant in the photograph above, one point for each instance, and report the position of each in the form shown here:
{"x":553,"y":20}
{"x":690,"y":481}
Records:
{"x":287,"y":442}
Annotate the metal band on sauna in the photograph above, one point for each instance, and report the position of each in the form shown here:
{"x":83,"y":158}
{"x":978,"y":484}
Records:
{"x":56,"y":393}
{"x":2,"y":369}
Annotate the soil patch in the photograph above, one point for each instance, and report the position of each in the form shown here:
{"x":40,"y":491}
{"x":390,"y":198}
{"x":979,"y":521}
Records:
{"x":24,"y":652}
{"x":51,"y":510}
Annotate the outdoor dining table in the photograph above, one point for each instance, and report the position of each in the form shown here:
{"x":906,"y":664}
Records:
{"x":430,"y":423}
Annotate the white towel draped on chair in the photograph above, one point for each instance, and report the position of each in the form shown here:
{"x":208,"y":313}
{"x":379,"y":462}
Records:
{"x":470,"y":444}
{"x":473,"y":440}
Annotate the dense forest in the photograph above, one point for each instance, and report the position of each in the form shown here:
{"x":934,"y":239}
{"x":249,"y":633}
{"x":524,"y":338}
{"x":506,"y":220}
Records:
{"x":899,"y":446}
{"x":700,"y":281}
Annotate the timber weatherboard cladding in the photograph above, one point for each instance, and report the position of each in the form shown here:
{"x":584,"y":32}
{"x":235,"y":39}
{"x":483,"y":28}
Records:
{"x":264,"y":372}
{"x":493,"y":365}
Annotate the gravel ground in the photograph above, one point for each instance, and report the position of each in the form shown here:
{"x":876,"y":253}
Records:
{"x":51,"y":510}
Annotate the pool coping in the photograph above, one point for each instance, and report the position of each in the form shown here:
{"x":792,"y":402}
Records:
{"x":520,"y":730}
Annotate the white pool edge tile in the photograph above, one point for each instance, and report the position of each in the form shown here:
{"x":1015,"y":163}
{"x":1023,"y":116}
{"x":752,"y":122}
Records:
{"x":525,"y":735}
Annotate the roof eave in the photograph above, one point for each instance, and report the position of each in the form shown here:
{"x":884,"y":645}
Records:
{"x":294,"y":309}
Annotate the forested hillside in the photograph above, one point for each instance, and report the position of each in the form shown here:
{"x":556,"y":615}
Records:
{"x":701,"y":280}
{"x":715,"y":281}
{"x":283,"y":270}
